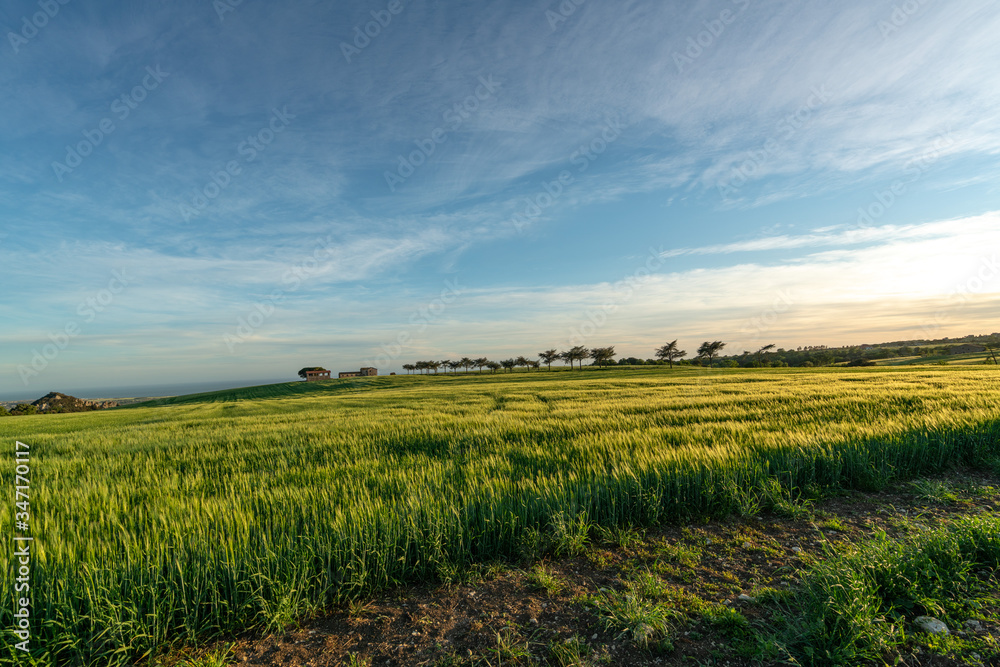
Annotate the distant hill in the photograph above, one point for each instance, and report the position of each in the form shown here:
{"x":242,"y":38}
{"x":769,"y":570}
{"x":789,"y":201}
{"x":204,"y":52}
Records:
{"x":54,"y":402}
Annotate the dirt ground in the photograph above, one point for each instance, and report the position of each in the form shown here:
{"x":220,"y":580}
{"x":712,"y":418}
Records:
{"x":508,"y":614}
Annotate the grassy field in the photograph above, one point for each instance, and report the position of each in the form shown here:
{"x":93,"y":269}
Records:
{"x":201,"y":516}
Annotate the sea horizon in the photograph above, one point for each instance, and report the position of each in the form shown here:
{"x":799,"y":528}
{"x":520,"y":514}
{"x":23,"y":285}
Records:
{"x":139,"y":391}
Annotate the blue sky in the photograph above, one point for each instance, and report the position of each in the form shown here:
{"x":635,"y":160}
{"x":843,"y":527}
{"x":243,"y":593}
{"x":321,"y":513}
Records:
{"x":207,"y":190}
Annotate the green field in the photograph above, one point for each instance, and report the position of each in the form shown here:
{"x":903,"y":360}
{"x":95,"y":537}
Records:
{"x":207,"y":515}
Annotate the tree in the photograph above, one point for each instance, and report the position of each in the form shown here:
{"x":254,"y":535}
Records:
{"x":535,"y":364}
{"x":446,"y":364}
{"x":602,"y":355}
{"x":493,"y":366}
{"x":24,"y":409}
{"x":710,"y":350}
{"x":508,"y":364}
{"x":521,"y":361}
{"x":669,"y":353}
{"x":409,"y":368}
{"x":422,"y":366}
{"x":548,"y":356}
{"x":4,"y":412}
{"x":434,"y":365}
{"x":454,"y":365}
{"x":466,"y":363}
{"x":480,"y":362}
{"x":302,"y":373}
{"x":763,"y":349}
{"x":578,"y":353}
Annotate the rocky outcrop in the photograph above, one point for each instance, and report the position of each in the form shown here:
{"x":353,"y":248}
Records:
{"x":56,"y":402}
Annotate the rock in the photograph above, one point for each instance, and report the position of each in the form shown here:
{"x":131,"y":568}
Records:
{"x":974,"y":625}
{"x":593,"y":637}
{"x":931,"y":625}
{"x":745,"y":598}
{"x":797,"y":550}
{"x":747,"y":545}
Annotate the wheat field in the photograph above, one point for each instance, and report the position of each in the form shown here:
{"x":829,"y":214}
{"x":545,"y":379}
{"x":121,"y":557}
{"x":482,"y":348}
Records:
{"x":197,"y":517}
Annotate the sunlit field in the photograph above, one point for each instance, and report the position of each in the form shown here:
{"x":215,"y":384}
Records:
{"x":243,"y":509}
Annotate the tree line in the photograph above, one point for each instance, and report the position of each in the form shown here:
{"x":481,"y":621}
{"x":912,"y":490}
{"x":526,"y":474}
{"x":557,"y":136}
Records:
{"x":709,"y":354}
{"x":668,"y":353}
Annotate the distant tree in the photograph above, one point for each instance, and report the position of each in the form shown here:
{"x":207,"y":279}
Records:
{"x":480,"y":362}
{"x":548,"y":356}
{"x":578,"y":353}
{"x":602,"y":355}
{"x":409,"y":368}
{"x":761,"y":350}
{"x":434,"y":366}
{"x":493,"y":366}
{"x":422,"y":366}
{"x":521,"y":361}
{"x":446,"y":364}
{"x":467,"y":363}
{"x":669,"y":353}
{"x":535,"y":364}
{"x":302,"y":373}
{"x":454,"y":365}
{"x":508,"y":364}
{"x":4,"y":412}
{"x":24,"y":409}
{"x":709,"y":351}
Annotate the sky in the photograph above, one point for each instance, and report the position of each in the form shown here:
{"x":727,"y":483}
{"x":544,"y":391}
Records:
{"x":229,"y":190}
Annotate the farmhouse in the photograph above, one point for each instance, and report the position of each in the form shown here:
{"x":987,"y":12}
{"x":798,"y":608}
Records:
{"x":364,"y":372}
{"x":312,"y":376}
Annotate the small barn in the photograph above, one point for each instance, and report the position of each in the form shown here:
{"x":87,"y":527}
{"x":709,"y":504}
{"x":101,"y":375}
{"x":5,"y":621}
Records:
{"x":364,"y":372}
{"x":312,"y":376}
